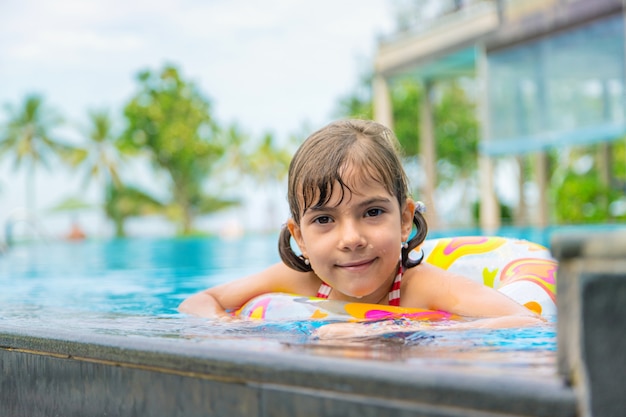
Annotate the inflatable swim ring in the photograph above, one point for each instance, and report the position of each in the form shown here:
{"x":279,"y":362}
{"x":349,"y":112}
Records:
{"x":524,"y":271}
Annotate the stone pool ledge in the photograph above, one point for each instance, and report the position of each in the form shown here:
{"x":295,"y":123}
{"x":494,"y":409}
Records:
{"x":46,"y":373}
{"x":591,"y":326}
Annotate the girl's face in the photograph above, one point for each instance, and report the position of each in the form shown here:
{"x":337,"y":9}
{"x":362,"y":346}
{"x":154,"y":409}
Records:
{"x":354,"y":243}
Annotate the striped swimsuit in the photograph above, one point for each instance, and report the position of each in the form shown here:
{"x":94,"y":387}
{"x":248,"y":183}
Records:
{"x":394,"y":294}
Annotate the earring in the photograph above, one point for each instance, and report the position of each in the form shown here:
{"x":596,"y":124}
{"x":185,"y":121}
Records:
{"x":307,"y":262}
{"x":404,"y":245}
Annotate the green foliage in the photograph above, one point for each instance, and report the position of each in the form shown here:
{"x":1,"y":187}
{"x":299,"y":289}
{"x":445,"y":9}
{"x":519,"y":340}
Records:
{"x":263,"y":161}
{"x":406,"y":95}
{"x":581,"y":197}
{"x":456,"y":126}
{"x":123,"y":202}
{"x":170,"y":120}
{"x":100,"y":159}
{"x":267,"y":161}
{"x":70,"y":204}
{"x":456,"y":129}
{"x":619,"y":158}
{"x":506,"y":213}
{"x":27,"y":136}
{"x":28,"y":139}
{"x":101,"y":156}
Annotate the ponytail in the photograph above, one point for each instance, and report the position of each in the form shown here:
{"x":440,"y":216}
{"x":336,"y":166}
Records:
{"x":287,"y":254}
{"x":422,"y":230}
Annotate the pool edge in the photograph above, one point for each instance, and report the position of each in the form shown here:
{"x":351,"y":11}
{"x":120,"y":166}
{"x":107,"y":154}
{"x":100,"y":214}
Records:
{"x":127,"y":376}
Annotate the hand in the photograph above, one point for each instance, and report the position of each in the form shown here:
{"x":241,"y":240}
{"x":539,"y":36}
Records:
{"x":367,"y":330}
{"x":504,"y":322}
{"x":339,"y":331}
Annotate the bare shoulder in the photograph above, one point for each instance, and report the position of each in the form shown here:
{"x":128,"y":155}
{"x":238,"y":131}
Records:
{"x":422,"y":283}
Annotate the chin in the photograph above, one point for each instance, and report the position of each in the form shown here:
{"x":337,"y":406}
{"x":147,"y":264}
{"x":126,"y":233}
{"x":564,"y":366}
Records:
{"x":360,"y":295}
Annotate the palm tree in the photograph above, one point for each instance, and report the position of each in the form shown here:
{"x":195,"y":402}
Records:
{"x":268,"y":161}
{"x":27,"y":137}
{"x":99,"y":157}
{"x":102,"y":158}
{"x":170,"y":120}
{"x":127,"y":201}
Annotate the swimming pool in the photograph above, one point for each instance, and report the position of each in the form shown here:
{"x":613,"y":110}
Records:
{"x":74,"y":313}
{"x":132,"y":288}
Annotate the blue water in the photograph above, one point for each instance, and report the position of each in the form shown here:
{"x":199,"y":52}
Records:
{"x":132,"y":288}
{"x":135,"y":276}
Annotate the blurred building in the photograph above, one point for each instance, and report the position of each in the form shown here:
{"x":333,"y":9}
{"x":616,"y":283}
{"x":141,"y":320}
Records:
{"x":550,"y":73}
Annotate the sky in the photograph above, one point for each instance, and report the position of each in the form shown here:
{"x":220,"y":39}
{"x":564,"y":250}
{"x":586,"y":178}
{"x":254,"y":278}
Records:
{"x":272,"y":66}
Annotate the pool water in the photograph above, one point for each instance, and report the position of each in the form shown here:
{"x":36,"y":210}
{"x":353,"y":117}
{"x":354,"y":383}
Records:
{"x":133,"y":276}
{"x":131,"y":288}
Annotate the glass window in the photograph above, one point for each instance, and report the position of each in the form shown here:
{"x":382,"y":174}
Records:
{"x":566,"y":88}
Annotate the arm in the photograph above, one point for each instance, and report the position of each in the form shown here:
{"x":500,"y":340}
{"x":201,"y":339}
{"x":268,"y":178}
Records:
{"x":213,"y":302}
{"x":202,"y":304}
{"x":359,"y":330}
{"x":438,"y":289}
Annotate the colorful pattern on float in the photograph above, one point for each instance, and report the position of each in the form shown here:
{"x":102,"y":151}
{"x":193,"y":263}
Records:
{"x":280,"y":306}
{"x":524,"y":271}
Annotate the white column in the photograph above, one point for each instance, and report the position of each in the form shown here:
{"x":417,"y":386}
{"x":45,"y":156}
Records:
{"x":383,"y":109}
{"x":489,"y":208}
{"x":489,"y":215}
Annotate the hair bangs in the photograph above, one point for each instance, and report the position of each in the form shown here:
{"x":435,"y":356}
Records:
{"x":346,"y":154}
{"x":366,"y":163}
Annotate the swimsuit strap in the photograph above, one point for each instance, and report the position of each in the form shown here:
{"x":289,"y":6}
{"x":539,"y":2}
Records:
{"x":394,"y":294}
{"x":324,"y":291}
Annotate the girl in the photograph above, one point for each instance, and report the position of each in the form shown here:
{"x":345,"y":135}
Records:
{"x":351,"y":218}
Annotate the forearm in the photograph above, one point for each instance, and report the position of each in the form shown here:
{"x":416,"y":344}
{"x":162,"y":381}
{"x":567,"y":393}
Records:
{"x":203,"y":304}
{"x":504,"y":322}
{"x":369,"y":329}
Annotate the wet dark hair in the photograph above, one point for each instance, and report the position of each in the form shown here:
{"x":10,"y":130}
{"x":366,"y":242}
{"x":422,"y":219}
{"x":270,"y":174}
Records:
{"x":317,"y":167}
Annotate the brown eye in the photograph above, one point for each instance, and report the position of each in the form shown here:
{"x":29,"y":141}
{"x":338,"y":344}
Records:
{"x":322,"y":220}
{"x":374,"y":212}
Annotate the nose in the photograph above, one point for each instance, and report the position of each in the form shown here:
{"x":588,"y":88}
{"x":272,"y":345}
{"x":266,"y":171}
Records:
{"x":351,"y":236}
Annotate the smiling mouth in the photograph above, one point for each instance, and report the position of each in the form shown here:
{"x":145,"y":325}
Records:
{"x":357,"y":264}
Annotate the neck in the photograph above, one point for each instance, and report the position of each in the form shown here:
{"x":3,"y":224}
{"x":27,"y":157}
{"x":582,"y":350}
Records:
{"x":380,"y":296}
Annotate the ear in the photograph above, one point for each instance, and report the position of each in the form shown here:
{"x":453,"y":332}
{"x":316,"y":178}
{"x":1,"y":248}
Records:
{"x":296,"y":233}
{"x":407,"y":214}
